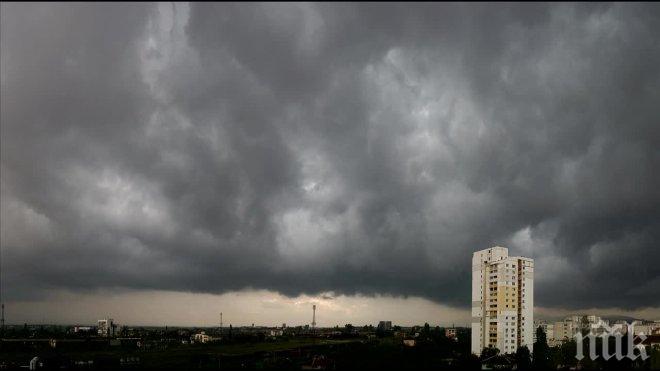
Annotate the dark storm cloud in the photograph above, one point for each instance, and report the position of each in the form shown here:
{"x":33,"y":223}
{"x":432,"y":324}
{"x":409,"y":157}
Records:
{"x":309,"y":148}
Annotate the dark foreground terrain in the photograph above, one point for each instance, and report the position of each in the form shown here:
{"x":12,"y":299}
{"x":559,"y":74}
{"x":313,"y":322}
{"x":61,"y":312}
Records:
{"x":414,"y":349}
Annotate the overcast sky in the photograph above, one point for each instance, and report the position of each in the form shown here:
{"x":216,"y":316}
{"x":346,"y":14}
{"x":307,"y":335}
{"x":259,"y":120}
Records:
{"x":262,"y":157}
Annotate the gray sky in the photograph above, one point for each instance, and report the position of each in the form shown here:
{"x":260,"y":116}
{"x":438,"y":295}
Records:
{"x":347,"y":154}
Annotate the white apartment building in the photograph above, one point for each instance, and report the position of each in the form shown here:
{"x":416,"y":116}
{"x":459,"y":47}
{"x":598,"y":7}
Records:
{"x":502,"y":301}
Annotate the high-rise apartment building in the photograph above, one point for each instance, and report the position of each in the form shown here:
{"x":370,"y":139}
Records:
{"x":502,"y":301}
{"x":106,"y":327}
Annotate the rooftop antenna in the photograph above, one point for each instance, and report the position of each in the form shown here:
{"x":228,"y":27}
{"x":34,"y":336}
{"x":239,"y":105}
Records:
{"x":313,"y":316}
{"x":220,"y":322}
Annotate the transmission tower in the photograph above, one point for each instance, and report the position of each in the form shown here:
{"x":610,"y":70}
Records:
{"x":313,"y":316}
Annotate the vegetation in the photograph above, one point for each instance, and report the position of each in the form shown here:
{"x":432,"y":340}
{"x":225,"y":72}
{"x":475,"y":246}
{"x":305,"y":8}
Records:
{"x":349,"y":347}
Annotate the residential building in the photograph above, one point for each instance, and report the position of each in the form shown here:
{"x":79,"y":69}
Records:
{"x":106,"y":327}
{"x":201,"y":337}
{"x":385,"y":325}
{"x":502,"y":301}
{"x":567,"y":329}
{"x":549,"y":329}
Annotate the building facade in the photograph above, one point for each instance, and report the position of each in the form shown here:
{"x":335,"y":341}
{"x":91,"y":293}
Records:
{"x":106,"y":327}
{"x":502,"y":301}
{"x":567,"y":329}
{"x":385,"y":325}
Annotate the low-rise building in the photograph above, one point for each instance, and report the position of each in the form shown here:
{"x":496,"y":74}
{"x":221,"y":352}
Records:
{"x":82,"y":329}
{"x":201,"y":337}
{"x":570,"y":326}
{"x":276,"y":332}
{"x":385,"y":325}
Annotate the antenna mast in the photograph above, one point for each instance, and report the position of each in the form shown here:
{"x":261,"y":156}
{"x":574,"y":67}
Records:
{"x":313,"y":316}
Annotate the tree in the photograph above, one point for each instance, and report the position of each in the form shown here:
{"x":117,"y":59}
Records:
{"x":523,"y":358}
{"x":653,"y":362}
{"x":564,"y":355}
{"x":541,"y":360}
{"x":426,"y":332}
{"x":348,"y":328}
{"x":488,"y":353}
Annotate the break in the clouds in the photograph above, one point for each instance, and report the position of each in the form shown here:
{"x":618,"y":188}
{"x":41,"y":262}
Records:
{"x":354,"y":148}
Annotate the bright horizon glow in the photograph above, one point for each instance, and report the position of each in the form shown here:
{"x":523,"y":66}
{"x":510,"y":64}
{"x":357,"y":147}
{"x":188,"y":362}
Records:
{"x":261,"y":307}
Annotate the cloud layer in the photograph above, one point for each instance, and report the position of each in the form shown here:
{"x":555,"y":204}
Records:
{"x":305,"y":148}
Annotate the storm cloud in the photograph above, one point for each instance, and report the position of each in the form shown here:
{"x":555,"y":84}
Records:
{"x":347,"y":148}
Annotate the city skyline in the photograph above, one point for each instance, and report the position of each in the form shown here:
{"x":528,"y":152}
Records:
{"x":162,"y":163}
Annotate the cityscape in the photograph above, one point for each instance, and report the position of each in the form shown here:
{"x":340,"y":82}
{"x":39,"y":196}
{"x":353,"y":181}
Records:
{"x":503,"y":335}
{"x":329,"y":186}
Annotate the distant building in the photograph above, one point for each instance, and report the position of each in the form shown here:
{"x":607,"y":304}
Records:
{"x":592,"y":319}
{"x":77,"y":329}
{"x":570,"y":326}
{"x":385,"y":325}
{"x":550,"y":333}
{"x":564,"y":330}
{"x":409,"y":342}
{"x":502,"y":301}
{"x":656,"y":328}
{"x":450,"y":333}
{"x":641,"y":329}
{"x":106,"y":327}
{"x":201,"y":337}
{"x":276,"y":332}
{"x":646,"y":328}
{"x":622,"y":325}
{"x":548,"y":329}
